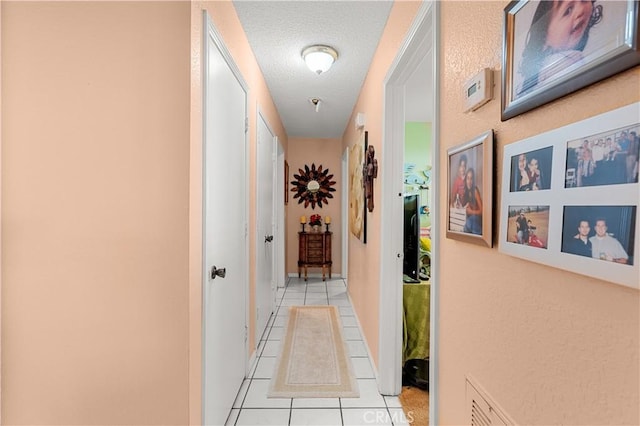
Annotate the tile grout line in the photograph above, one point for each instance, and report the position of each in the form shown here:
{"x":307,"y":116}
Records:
{"x":252,"y":379}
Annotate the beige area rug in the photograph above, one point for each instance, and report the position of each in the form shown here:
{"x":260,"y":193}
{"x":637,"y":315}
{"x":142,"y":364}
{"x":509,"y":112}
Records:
{"x":415,"y":404}
{"x":314,"y":361}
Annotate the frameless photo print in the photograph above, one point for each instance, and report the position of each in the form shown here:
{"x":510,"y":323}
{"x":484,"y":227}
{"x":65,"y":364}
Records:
{"x":528,"y":226}
{"x":606,"y":158}
{"x":531,"y":171}
{"x":601,"y":233}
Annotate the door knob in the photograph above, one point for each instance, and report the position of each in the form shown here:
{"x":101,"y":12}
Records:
{"x":268,"y":238}
{"x":215,"y":272}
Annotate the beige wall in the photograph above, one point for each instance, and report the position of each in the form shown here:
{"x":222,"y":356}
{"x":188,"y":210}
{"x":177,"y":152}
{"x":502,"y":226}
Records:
{"x":550,"y":346}
{"x":328,"y":153}
{"x":100,"y":226}
{"x":101,"y":223}
{"x":95,"y":179}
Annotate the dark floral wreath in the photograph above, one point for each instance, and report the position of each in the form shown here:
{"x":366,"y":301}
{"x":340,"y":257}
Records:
{"x":316,"y":194}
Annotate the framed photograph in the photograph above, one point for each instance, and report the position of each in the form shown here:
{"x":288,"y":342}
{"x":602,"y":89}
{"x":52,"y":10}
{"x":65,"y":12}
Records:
{"x":553,"y":48}
{"x":286,"y":182}
{"x":470,"y":196}
{"x":586,"y":220}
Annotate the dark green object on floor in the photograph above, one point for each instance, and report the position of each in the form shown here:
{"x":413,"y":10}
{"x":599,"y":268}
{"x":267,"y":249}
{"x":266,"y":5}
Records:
{"x":415,"y":355}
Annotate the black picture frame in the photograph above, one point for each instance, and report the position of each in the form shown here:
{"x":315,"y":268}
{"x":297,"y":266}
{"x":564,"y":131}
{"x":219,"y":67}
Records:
{"x":611,"y":46}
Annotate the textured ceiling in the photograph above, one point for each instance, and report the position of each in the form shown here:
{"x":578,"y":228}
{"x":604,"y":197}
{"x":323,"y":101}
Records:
{"x":278,"y":31}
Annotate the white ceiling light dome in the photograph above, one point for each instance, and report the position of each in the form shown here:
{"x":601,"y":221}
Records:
{"x":319,"y":58}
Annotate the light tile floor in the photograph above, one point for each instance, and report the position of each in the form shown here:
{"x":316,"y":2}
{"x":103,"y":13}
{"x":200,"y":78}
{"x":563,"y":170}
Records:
{"x":252,"y":407}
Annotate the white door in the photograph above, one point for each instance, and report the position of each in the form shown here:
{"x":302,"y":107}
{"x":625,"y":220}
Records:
{"x":225,"y":239}
{"x":265,"y":189}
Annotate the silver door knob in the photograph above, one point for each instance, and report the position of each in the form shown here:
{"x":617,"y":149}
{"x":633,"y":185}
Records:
{"x":215,"y":272}
{"x":268,"y":238}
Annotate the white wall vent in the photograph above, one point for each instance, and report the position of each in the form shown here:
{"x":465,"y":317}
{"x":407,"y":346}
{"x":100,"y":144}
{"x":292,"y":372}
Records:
{"x":481,"y":409}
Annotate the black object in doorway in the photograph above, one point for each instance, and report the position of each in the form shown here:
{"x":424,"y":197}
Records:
{"x":416,"y":373}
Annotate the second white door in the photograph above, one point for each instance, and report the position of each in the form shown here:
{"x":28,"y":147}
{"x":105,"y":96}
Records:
{"x":265,"y":189}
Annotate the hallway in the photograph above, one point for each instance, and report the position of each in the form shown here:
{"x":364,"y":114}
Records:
{"x":252,"y":407}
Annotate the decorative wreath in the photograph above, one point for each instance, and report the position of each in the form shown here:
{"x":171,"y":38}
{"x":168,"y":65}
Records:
{"x":313,"y":186}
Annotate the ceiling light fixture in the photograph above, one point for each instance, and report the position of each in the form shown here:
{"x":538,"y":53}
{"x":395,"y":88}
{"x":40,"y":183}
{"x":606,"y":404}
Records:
{"x":319,"y":58}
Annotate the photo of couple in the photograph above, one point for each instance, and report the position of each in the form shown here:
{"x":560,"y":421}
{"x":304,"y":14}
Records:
{"x":465,"y":191}
{"x":600,"y":232}
{"x":470,"y":193}
{"x":531,"y":171}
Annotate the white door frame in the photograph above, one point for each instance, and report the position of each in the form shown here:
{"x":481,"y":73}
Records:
{"x":280,"y":213}
{"x":210,"y":31}
{"x":422,"y":40}
{"x":345,"y":213}
{"x":260,"y":238}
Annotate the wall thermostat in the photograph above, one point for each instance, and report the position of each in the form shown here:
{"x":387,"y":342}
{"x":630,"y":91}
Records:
{"x":478,"y":90}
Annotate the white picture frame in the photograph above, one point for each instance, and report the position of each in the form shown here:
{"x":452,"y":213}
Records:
{"x":559,"y":205}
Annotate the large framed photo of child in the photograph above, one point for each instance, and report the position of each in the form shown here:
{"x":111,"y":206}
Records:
{"x":470,"y":196}
{"x":583,"y":217}
{"x":552,"y":48}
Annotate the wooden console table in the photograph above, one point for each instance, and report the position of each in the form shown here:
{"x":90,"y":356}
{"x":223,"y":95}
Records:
{"x":314,"y":250}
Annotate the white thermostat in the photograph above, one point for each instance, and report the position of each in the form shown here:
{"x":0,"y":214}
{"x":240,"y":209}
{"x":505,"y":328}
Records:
{"x":478,"y":90}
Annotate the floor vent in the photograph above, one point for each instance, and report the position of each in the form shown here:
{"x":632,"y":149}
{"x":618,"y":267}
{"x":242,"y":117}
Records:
{"x":483,"y":411}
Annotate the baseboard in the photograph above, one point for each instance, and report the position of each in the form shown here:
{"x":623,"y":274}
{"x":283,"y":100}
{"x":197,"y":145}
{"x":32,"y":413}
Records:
{"x":313,"y":275}
{"x":334,"y":275}
{"x":364,"y":340}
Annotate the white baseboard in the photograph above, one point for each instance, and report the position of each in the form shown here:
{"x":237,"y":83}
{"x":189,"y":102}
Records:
{"x":334,"y":275}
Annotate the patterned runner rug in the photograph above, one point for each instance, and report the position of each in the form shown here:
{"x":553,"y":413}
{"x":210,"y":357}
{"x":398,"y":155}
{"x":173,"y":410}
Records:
{"x":314,"y":361}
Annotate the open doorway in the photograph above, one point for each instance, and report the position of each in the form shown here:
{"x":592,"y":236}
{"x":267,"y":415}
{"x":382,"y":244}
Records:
{"x":417,"y":242}
{"x":414,"y":69}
